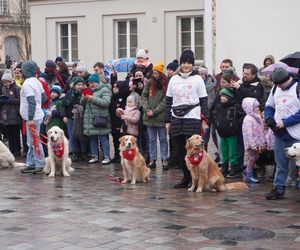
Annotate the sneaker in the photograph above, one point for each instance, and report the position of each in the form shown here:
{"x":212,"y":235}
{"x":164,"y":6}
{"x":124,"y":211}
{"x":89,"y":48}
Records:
{"x":165,"y":165}
{"x":75,"y":157}
{"x":275,"y":195}
{"x":224,"y":169}
{"x":252,"y":180}
{"x":106,"y":160}
{"x":234,"y":172}
{"x":27,"y":169}
{"x":37,"y":170}
{"x":93,"y":160}
{"x":152,"y":164}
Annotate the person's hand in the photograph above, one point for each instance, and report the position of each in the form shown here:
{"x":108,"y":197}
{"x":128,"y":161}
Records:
{"x":234,"y":84}
{"x":88,"y":97}
{"x":65,"y":120}
{"x":271,"y":123}
{"x":119,"y":112}
{"x":30,"y":123}
{"x":102,"y":78}
{"x":204,"y":125}
{"x":150,"y":113}
{"x":62,"y":96}
{"x":280,"y":124}
{"x":168,"y":127}
{"x":140,"y":85}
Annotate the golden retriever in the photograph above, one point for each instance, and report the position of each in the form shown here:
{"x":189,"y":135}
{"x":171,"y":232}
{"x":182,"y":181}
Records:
{"x":133,"y":163}
{"x":58,"y":149}
{"x":7,"y":160}
{"x":204,"y":171}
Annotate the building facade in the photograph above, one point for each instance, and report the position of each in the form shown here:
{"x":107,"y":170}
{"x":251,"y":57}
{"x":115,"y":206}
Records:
{"x":105,"y":29}
{"x":14,"y":30}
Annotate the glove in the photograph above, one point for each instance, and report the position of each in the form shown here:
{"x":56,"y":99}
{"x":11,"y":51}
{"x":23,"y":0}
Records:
{"x":271,"y":123}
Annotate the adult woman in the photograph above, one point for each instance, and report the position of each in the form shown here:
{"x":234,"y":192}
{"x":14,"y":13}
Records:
{"x":97,"y":105}
{"x":153,"y":100}
{"x":186,"y":88}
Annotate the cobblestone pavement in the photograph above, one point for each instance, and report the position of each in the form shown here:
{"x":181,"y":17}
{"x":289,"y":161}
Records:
{"x":91,"y":211}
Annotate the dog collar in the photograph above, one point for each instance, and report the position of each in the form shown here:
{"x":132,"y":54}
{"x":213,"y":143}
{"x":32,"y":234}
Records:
{"x":195,"y":158}
{"x":58,"y":149}
{"x":129,"y":154}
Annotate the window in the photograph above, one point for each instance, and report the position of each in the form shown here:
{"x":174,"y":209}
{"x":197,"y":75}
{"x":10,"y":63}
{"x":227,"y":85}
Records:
{"x":68,"y":41}
{"x":126,"y":38}
{"x":191,"y":35}
{"x":3,"y":7}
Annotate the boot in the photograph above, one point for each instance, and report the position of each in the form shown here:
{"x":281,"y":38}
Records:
{"x":224,"y":169}
{"x":249,"y":178}
{"x":184,"y":183}
{"x":235,"y":171}
{"x":152,"y":164}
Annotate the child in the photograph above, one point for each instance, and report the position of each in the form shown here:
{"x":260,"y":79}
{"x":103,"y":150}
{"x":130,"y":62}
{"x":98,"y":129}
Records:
{"x":130,"y":117}
{"x":53,"y":117}
{"x":117,"y":101}
{"x":253,"y":135}
{"x":225,"y":115}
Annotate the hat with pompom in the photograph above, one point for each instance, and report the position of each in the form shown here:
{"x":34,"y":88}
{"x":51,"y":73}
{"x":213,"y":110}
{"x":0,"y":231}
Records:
{"x":158,"y":67}
{"x":81,"y":67}
{"x":7,"y":76}
{"x":56,"y":89}
{"x":173,"y":65}
{"x":142,"y":53}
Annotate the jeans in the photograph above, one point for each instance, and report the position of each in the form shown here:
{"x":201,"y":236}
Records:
{"x":162,"y":135}
{"x":33,"y":159}
{"x":94,"y":145}
{"x":74,"y":143}
{"x":282,"y":163}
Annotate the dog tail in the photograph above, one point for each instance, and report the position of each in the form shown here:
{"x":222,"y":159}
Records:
{"x":242,"y":186}
{"x":18,"y":164}
{"x":70,"y":169}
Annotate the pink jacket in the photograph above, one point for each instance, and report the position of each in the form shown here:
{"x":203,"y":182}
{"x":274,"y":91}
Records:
{"x":131,"y":119}
{"x":253,"y":126}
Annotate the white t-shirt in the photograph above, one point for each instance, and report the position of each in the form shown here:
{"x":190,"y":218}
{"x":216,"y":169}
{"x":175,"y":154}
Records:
{"x":31,"y":87}
{"x":187,"y":91}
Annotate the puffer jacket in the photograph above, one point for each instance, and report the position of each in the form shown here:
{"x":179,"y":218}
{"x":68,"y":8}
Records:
{"x":97,"y":106}
{"x":253,"y":126}
{"x":155,"y":103}
{"x":10,"y":102}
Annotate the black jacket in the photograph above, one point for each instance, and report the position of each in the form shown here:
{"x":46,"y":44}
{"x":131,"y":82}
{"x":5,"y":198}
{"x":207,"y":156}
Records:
{"x":226,"y":117}
{"x":117,"y":101}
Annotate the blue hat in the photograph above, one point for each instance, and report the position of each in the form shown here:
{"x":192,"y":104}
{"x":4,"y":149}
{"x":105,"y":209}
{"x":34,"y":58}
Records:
{"x":56,"y":89}
{"x":173,"y":65}
{"x":94,"y":78}
{"x":29,"y":69}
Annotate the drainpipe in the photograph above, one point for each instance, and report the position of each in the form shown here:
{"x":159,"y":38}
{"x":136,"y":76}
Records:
{"x":208,"y":35}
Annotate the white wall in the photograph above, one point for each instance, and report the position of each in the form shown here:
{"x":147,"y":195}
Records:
{"x":157,"y":26}
{"x":248,"y":30}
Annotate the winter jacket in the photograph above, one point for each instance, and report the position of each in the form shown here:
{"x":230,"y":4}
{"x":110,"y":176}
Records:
{"x":253,"y":126}
{"x":10,"y":102}
{"x":210,"y":85}
{"x":55,"y":119}
{"x":226,"y":117}
{"x":71,"y":98}
{"x":117,"y":101}
{"x":251,"y":89}
{"x":131,"y":119}
{"x":155,"y":103}
{"x":97,"y":106}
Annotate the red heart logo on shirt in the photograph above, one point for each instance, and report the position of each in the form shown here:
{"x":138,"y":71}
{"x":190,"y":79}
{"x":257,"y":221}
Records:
{"x":284,"y":100}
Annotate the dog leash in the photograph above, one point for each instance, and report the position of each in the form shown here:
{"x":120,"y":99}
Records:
{"x":36,"y":139}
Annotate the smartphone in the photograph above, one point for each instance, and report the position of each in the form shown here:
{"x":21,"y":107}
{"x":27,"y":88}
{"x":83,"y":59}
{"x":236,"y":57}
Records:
{"x":87,"y":91}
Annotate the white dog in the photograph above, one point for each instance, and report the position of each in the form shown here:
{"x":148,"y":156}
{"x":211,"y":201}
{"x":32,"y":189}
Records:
{"x":58,"y":149}
{"x":7,"y":160}
{"x":293,"y":152}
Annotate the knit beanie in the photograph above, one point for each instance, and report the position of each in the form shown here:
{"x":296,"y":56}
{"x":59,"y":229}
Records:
{"x":77,"y":80}
{"x":133,"y":99}
{"x":173,"y":65}
{"x":280,"y":75}
{"x":59,"y":59}
{"x":56,"y":89}
{"x":158,"y":67}
{"x":7,"y":76}
{"x":203,"y":70}
{"x":142,"y":53}
{"x":94,"y":78}
{"x":227,"y":92}
{"x":228,"y":74}
{"x":187,"y":56}
{"x":29,"y":69}
{"x":81,"y":67}
{"x":50,"y":64}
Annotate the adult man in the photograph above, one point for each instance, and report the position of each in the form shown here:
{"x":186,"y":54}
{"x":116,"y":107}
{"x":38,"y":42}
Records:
{"x":225,"y":64}
{"x":282,"y":115}
{"x":32,"y":96}
{"x":99,"y":69}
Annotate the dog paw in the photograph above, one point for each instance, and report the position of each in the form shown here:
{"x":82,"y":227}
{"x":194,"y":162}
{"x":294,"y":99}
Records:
{"x":199,"y":190}
{"x":66,"y":174}
{"x":51,"y":175}
{"x":124,"y":182}
{"x":133,"y":183}
{"x":191,"y":189}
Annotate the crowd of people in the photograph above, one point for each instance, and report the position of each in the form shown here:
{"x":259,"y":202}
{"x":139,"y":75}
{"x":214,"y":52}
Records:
{"x":257,"y":113}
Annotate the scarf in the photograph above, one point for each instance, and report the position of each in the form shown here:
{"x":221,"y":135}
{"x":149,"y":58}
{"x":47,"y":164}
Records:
{"x":58,"y":149}
{"x":195,"y":158}
{"x":129,"y":154}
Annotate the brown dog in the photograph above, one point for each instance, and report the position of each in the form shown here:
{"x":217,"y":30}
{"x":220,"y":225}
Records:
{"x":205,"y":172}
{"x":133,"y":163}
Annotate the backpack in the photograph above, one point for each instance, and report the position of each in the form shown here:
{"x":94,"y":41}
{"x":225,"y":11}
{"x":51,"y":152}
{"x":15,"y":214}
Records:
{"x":297,"y":89}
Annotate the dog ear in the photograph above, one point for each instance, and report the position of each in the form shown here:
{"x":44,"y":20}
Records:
{"x":133,"y":139}
{"x":188,"y":144}
{"x":121,"y":139}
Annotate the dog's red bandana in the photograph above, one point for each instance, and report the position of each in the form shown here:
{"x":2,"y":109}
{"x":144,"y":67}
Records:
{"x":58,"y":149}
{"x":129,"y":154}
{"x":195,"y":158}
